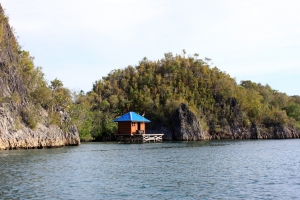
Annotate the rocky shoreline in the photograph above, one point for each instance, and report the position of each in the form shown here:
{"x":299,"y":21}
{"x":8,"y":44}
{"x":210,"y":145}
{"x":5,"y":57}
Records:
{"x":186,"y":127}
{"x":41,"y":138}
{"x":12,"y":137}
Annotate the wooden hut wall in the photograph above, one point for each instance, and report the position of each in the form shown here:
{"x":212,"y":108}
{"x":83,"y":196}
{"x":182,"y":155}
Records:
{"x":134,"y":127}
{"x":124,"y":128}
{"x":143,"y":126}
{"x":131,"y":127}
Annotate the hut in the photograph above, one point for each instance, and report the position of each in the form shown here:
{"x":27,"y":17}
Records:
{"x":131,"y":123}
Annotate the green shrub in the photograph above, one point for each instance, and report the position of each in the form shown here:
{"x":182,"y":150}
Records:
{"x":103,"y":125}
{"x":15,"y":97}
{"x":54,"y":118}
{"x":29,"y":117}
{"x":18,"y":124}
{"x":4,"y":99}
{"x":42,"y":96}
{"x":297,"y":125}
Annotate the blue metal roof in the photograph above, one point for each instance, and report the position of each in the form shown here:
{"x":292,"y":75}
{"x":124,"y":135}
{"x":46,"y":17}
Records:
{"x":131,"y":117}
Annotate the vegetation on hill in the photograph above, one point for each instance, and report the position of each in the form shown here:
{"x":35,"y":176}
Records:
{"x":158,"y":87}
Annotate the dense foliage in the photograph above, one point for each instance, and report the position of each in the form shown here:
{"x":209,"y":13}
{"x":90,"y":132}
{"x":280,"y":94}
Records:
{"x":158,"y":87}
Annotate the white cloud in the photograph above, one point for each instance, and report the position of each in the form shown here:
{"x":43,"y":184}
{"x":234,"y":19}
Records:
{"x":242,"y":37}
{"x":102,"y":17}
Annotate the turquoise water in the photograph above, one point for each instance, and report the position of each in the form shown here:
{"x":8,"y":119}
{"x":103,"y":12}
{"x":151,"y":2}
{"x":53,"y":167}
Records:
{"x":226,"y":169}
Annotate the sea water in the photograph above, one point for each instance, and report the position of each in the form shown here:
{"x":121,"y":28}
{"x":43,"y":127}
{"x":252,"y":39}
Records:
{"x":224,"y":169}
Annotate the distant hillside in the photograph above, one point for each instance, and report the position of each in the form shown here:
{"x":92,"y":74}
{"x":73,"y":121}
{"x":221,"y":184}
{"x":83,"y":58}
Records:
{"x":224,"y":108}
{"x":32,"y":114}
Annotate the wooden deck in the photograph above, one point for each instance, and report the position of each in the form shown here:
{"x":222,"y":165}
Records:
{"x":139,"y":138}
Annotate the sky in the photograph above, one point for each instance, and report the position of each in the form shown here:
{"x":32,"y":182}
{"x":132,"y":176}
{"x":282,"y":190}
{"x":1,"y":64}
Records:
{"x":80,"y":41}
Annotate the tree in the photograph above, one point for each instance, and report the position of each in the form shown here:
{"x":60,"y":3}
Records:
{"x":56,"y":84}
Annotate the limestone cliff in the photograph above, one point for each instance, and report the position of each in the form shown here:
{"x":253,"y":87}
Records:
{"x":16,"y":104}
{"x":186,"y":127}
{"x":14,"y":134}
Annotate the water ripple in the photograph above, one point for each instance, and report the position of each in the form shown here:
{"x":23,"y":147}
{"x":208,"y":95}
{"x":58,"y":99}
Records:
{"x":226,"y":169}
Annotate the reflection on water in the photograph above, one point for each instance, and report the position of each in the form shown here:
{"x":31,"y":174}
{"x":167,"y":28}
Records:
{"x":225,"y":169}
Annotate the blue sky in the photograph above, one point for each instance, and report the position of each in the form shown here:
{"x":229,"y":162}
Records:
{"x":80,"y":41}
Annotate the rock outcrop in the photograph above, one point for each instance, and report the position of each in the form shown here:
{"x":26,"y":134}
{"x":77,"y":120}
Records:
{"x":14,"y":99}
{"x":256,"y":132}
{"x":15,"y":135}
{"x":186,"y":126}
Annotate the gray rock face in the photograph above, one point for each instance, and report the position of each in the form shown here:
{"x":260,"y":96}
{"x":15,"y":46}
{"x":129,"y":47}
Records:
{"x":186,"y":126}
{"x":234,"y":133}
{"x":255,"y":132}
{"x":278,"y":132}
{"x":14,"y":137}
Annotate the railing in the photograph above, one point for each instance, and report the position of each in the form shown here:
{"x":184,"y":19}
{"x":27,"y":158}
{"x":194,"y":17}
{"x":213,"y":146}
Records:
{"x":140,"y":132}
{"x":152,"y":137}
{"x":139,"y":138}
